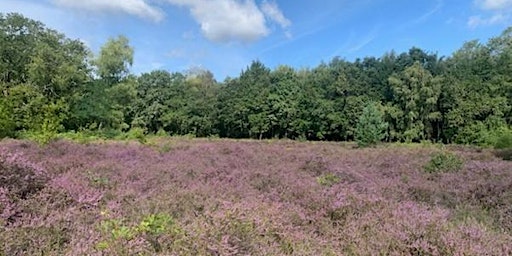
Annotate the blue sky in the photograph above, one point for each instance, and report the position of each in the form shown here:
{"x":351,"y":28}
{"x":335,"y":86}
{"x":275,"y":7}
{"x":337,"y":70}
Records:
{"x":224,"y":36}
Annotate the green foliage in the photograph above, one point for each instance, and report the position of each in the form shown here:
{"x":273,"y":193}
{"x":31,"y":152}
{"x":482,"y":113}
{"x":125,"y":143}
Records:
{"x":7,"y":124}
{"x":443,"y":161}
{"x":115,"y":59}
{"x":504,"y":140}
{"x":135,"y":133}
{"x":371,"y":128}
{"x":328,"y":180}
{"x":82,"y":137}
{"x":156,"y":224}
{"x":161,"y":133}
{"x":416,"y":92}
{"x":117,"y":234}
{"x":51,"y":84}
{"x":503,"y":144}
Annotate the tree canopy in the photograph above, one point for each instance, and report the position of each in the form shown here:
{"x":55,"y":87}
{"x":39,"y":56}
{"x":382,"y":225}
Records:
{"x":50,"y":83}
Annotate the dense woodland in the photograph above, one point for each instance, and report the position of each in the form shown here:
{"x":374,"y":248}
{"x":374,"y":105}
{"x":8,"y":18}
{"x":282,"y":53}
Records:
{"x":52,"y":84}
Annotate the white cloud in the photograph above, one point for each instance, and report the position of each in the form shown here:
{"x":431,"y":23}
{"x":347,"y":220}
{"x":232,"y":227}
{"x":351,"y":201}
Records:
{"x":494,"y":5}
{"x":138,"y":8}
{"x":495,"y":12}
{"x":272,"y":11}
{"x":233,"y":20}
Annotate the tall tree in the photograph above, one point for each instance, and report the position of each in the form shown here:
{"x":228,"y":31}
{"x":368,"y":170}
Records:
{"x":114,"y":60}
{"x":40,"y":71}
{"x":107,"y":102}
{"x":416,"y":93}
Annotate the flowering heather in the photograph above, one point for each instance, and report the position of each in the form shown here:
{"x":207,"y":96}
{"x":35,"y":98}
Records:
{"x":228,"y":197}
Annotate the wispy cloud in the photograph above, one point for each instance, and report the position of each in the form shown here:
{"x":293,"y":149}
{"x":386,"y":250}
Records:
{"x":439,"y":5}
{"x":272,"y":11}
{"x":367,"y":39}
{"x":355,"y":43}
{"x":291,"y":38}
{"x":187,"y":53}
{"x":138,"y":8}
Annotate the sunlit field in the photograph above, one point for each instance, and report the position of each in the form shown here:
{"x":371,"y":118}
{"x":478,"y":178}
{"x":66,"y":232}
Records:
{"x":228,"y":197}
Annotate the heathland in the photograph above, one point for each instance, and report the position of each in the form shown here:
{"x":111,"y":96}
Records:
{"x":179,"y":196}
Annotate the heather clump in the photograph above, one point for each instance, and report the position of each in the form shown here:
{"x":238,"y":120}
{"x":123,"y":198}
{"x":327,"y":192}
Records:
{"x":20,"y":179}
{"x":315,"y":166}
{"x":20,"y":176}
{"x":36,"y":240}
{"x":495,"y":198}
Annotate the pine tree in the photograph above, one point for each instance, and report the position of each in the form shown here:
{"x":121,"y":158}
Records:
{"x":371,"y":128}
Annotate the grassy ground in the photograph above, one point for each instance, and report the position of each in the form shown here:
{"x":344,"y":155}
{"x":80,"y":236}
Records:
{"x":227,"y":197}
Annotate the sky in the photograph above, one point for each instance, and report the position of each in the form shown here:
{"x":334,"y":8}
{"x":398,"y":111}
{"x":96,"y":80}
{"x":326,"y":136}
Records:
{"x":225,"y":36}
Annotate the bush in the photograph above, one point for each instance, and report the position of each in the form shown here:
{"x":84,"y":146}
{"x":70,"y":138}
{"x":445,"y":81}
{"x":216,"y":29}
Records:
{"x":117,"y":233}
{"x":505,"y":154}
{"x":504,"y":140}
{"x":136,"y":133}
{"x":40,"y":137}
{"x":503,"y":145}
{"x":443,"y":162}
{"x":7,"y":124}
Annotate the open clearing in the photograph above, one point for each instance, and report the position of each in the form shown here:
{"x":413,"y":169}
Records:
{"x":228,"y":197}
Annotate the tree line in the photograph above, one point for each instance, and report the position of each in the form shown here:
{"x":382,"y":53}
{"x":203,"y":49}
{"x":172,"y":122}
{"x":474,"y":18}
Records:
{"x":51,"y":84}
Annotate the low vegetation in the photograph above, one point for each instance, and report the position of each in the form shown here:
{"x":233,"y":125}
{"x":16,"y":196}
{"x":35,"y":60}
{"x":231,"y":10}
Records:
{"x":224,"y":197}
{"x":443,"y":162}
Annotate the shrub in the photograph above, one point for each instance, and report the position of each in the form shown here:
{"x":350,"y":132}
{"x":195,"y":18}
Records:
{"x":443,"y":162}
{"x":505,"y":154}
{"x":155,"y":225}
{"x":503,"y":145}
{"x":136,"y":133}
{"x":7,"y":124}
{"x":161,"y":133}
{"x":40,"y":137}
{"x":504,"y":141}
{"x":117,"y":233}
